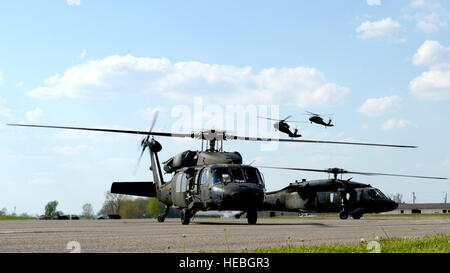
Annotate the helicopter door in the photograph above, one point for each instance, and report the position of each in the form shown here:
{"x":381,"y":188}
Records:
{"x":327,"y":201}
{"x":205,"y":182}
{"x":180,"y":190}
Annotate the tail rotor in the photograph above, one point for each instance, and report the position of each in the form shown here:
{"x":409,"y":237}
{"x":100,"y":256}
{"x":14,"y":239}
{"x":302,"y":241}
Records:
{"x":145,"y":141}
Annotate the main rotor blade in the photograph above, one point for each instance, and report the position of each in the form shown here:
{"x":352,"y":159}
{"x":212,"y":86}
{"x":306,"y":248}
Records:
{"x":286,"y":118}
{"x":227,"y":137}
{"x":311,"y":113}
{"x":269,"y":118}
{"x":400,"y":175}
{"x":293,"y":169}
{"x":350,"y":172}
{"x":107,"y":130}
{"x":318,"y":141}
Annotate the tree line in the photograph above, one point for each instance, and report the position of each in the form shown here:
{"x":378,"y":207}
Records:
{"x":117,"y":204}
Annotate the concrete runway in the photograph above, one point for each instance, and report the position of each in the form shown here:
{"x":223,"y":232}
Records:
{"x":204,"y":234}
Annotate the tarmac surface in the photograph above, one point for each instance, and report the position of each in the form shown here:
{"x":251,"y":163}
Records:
{"x":203,"y":234}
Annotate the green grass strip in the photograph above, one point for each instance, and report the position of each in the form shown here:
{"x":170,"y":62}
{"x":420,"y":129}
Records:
{"x":429,"y":244}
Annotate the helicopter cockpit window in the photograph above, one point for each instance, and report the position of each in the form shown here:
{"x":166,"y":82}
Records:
{"x":238,"y":175}
{"x":372,"y":194}
{"x":220,"y":175}
{"x":381,"y":194}
{"x":252,"y":176}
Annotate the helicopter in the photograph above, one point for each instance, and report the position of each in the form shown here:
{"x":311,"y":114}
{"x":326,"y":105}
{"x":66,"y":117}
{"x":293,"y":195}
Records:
{"x":318,"y":119}
{"x":202,"y":180}
{"x":282,"y":126}
{"x":332,"y":195}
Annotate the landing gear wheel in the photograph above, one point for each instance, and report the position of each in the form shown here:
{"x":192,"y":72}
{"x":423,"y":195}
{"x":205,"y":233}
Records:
{"x":343,"y":215}
{"x":356,"y":216}
{"x":161,"y":218}
{"x":252,"y":217}
{"x":185,"y":216}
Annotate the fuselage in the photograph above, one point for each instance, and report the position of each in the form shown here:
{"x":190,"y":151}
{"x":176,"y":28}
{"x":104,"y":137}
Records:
{"x":215,"y":187}
{"x":319,"y":120}
{"x":328,"y":196}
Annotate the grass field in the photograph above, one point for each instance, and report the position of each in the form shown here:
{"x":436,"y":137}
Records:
{"x":15,"y":218}
{"x":439,"y":243}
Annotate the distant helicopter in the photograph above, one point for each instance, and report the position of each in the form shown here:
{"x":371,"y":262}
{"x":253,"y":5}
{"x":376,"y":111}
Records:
{"x":318,"y":119}
{"x":332,"y":195}
{"x":209,"y":179}
{"x":282,"y":126}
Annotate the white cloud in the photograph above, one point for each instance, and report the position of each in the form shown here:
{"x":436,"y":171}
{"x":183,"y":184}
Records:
{"x":385,"y":29}
{"x":373,"y":2}
{"x":73,"y":2}
{"x":435,"y":83}
{"x":432,"y":54}
{"x":430,"y":16}
{"x":121,"y":75}
{"x":34,"y":115}
{"x":395,"y":124}
{"x":378,"y":106}
{"x":72,"y":150}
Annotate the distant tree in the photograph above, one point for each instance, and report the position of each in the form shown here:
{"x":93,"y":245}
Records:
{"x":3,"y":212}
{"x":133,"y":208}
{"x":153,"y":208}
{"x":58,"y":213}
{"x":88,"y":211}
{"x":24,"y":214}
{"x":112,"y":204}
{"x":129,"y":210}
{"x":398,"y":198}
{"x":50,"y":209}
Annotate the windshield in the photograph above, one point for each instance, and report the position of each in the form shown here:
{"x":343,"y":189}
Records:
{"x":252,"y":175}
{"x":220,"y":175}
{"x":238,"y":175}
{"x":381,"y":194}
{"x":372,"y":194}
{"x":235,"y":174}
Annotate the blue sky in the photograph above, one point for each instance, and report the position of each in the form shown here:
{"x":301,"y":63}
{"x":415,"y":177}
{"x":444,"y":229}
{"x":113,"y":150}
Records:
{"x":382,"y":67}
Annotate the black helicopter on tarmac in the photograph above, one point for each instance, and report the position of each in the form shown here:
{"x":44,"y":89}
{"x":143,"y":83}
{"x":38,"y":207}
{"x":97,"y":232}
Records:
{"x":332,"y":195}
{"x":209,"y":179}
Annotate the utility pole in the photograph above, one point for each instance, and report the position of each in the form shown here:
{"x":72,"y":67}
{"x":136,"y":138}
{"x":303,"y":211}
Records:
{"x":445,"y":199}
{"x":414,"y":197}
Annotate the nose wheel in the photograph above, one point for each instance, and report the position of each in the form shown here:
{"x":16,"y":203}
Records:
{"x":252,"y":217}
{"x":343,"y":215}
{"x":185,"y":216}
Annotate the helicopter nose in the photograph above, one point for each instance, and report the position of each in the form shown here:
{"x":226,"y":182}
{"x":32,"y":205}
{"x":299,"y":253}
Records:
{"x":243,"y":197}
{"x":394,"y":205}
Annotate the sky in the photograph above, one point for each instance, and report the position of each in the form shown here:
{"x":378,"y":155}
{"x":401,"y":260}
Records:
{"x":382,"y":68}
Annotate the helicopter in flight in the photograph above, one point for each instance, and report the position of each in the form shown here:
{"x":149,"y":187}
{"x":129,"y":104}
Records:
{"x":282,"y":126}
{"x":318,"y":119}
{"x":202,"y":180}
{"x":332,"y":195}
